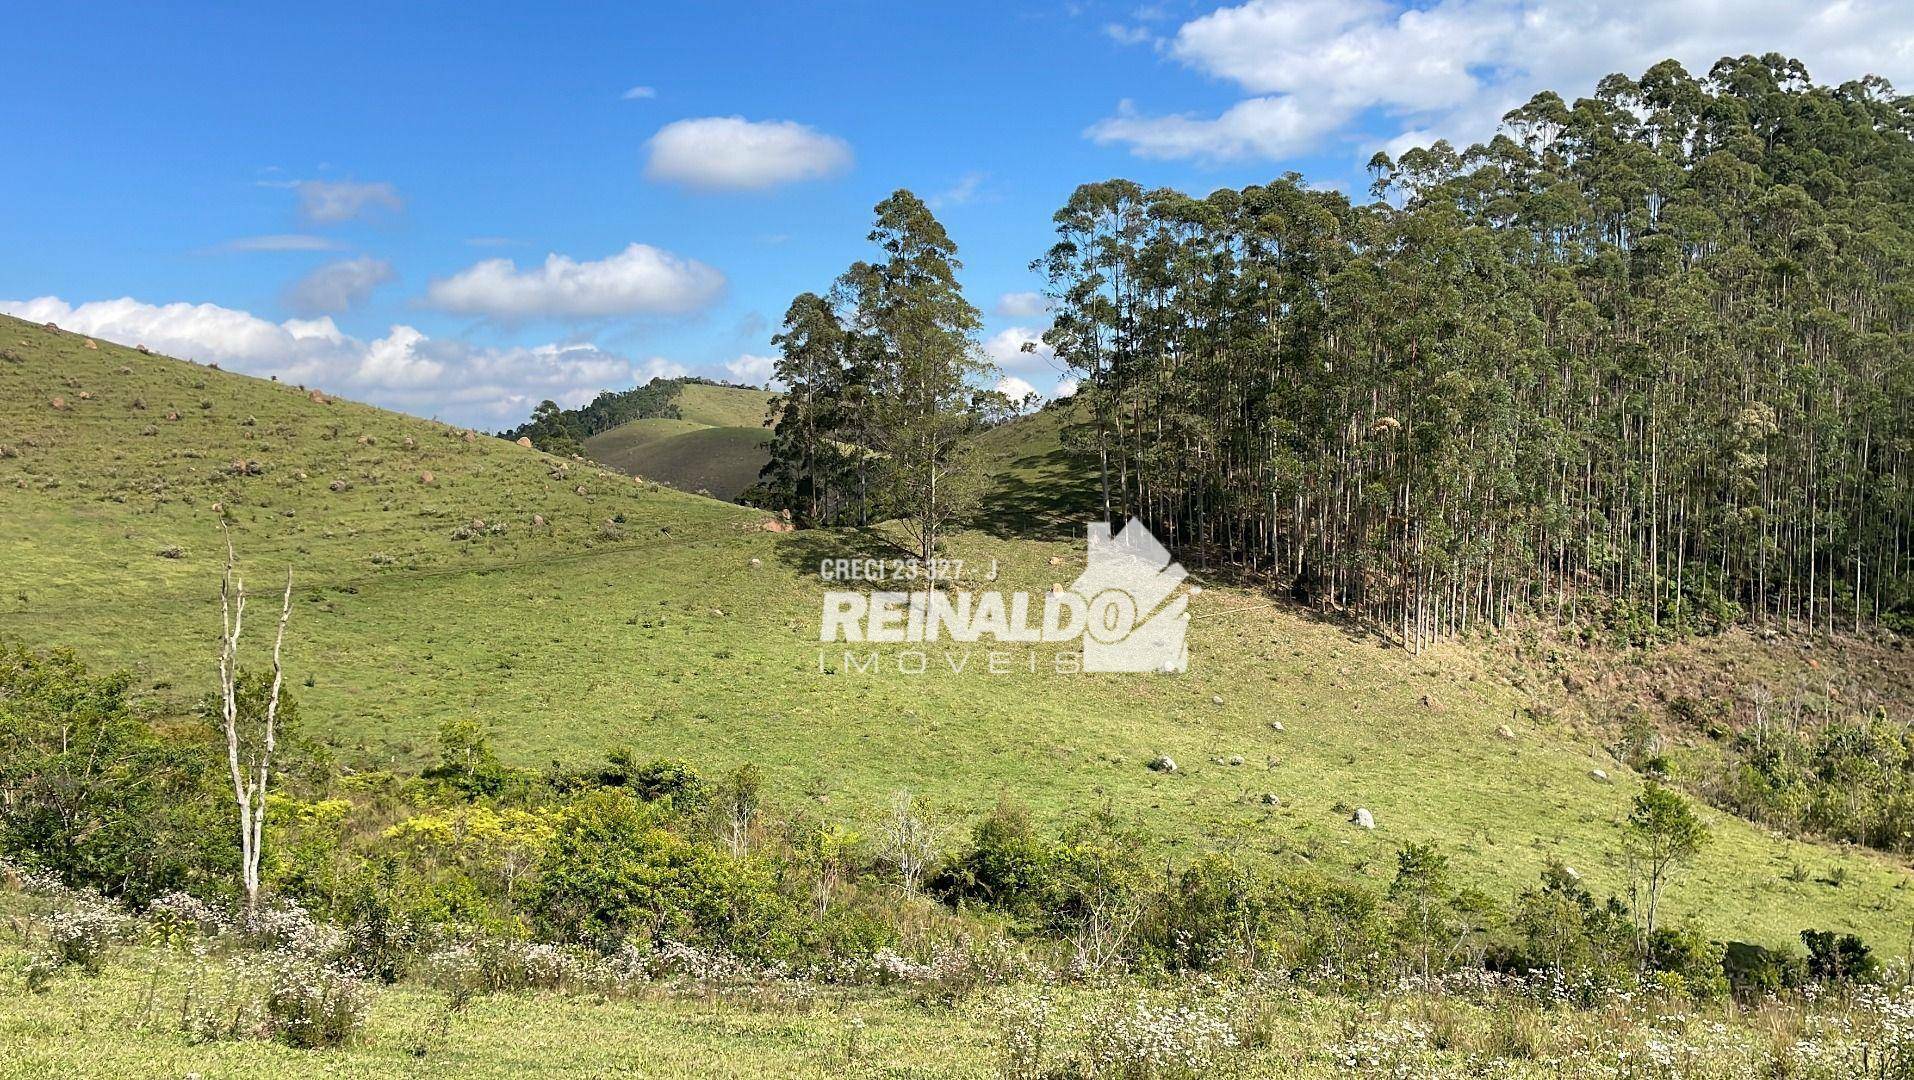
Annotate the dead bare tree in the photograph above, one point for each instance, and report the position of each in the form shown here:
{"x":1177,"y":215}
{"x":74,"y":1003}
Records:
{"x":251,"y":764}
{"x":912,"y":840}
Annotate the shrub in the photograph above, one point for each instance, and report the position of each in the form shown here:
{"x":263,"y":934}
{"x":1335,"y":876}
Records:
{"x":1006,"y":866}
{"x":612,"y":875}
{"x":1694,"y":961}
{"x":1215,"y":913}
{"x":1755,"y":970}
{"x":1140,"y":1039}
{"x":1838,"y":958}
{"x":311,"y":1005}
{"x":78,"y":936}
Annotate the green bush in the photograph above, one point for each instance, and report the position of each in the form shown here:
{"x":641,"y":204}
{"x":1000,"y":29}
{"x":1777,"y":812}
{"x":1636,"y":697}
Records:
{"x":613,"y":874}
{"x":1685,"y":953}
{"x":1006,"y":866}
{"x":1839,"y":958}
{"x":1755,"y":970}
{"x":94,"y":793}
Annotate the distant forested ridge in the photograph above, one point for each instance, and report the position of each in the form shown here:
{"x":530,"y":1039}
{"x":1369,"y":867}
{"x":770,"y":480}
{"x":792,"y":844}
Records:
{"x":1643,"y":358}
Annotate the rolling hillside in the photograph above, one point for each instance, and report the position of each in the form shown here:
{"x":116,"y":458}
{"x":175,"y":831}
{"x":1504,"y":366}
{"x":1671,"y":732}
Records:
{"x":569,"y":609}
{"x":716,"y":444}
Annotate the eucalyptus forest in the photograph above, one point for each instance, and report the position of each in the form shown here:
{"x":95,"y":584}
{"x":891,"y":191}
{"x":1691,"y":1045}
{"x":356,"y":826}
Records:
{"x":1642,"y":358}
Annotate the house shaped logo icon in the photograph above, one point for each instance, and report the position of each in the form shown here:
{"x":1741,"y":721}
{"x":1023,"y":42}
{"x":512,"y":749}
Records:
{"x":1138,"y":615}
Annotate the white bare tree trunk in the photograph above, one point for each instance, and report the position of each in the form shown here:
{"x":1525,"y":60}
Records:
{"x":251,"y":767}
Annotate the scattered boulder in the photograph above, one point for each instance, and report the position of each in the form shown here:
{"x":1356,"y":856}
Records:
{"x":1277,"y":725}
{"x":1598,"y":776}
{"x":522,"y":441}
{"x":1362,"y":818}
{"x":1216,"y":699}
{"x":1269,"y":799}
{"x":50,"y":326}
{"x":1505,"y":733}
{"x":426,"y":477}
{"x":367,"y":440}
{"x":579,"y":490}
{"x":149,"y":352}
{"x":1056,"y":560}
{"x":538,"y":519}
{"x":91,"y":344}
{"x":86,"y":395}
{"x":317,"y":398}
{"x":1163,"y":763}
{"x":470,"y":436}
{"x":58,"y":403}
{"x":245,"y":467}
{"x":757,"y":564}
{"x":337,"y":485}
{"x":1236,"y":759}
{"x":1429,"y":702}
{"x":172,"y":414}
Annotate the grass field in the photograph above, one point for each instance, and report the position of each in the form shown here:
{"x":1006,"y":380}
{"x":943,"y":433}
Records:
{"x":657,"y":631}
{"x":127,"y":1022}
{"x":717,"y":444}
{"x":723,"y":406}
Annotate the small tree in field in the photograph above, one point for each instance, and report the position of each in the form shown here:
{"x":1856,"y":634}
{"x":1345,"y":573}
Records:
{"x":248,"y":753}
{"x":736,"y":808}
{"x":911,"y":840}
{"x":1662,"y":834}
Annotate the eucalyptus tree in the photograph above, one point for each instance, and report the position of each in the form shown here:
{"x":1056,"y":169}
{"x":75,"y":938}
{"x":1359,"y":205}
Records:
{"x":884,"y":388}
{"x":1642,"y":358}
{"x":912,"y":322}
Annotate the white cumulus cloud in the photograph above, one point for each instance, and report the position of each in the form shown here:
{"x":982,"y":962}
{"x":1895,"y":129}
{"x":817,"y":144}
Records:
{"x":730,"y":153}
{"x":1014,"y":388}
{"x":1310,"y":68}
{"x":1006,"y":348}
{"x":639,"y":93}
{"x":752,"y":370}
{"x":338,"y":286}
{"x":638,"y":280}
{"x":405,"y":369}
{"x":1022,"y":305}
{"x":1265,"y":127}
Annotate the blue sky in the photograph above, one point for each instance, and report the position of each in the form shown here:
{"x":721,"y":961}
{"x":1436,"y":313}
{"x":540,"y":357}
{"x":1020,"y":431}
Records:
{"x":325,"y":192}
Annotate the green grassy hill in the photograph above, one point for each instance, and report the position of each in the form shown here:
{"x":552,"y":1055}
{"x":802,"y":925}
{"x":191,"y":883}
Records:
{"x":723,"y":406}
{"x":717,"y":444}
{"x":1040,"y":484}
{"x":635,"y":615}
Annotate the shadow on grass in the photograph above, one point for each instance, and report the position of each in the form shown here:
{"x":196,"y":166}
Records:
{"x":1047,"y":496}
{"x":806,"y":549}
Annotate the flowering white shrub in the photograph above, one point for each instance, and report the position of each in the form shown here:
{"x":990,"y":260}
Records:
{"x":1024,"y":1029}
{"x":175,"y":916}
{"x":310,"y":1005}
{"x":288,"y":928}
{"x":1141,"y":1040}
